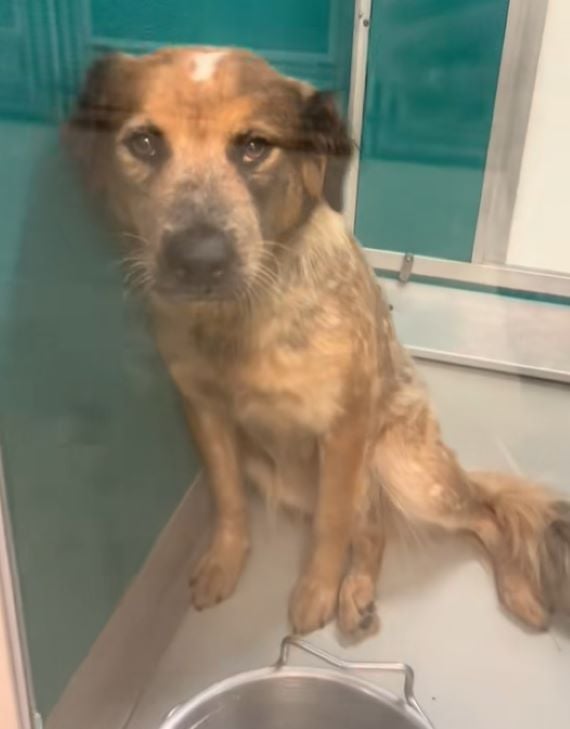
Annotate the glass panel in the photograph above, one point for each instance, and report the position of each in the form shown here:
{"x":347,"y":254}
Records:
{"x":431,"y":82}
{"x":87,"y":414}
{"x":96,"y":450}
{"x":293,"y":359}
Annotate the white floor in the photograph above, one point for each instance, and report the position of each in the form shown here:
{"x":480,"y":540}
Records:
{"x":475,"y":669}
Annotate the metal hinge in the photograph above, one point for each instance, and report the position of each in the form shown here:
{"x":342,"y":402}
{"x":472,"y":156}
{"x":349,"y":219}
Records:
{"x":406,"y":268}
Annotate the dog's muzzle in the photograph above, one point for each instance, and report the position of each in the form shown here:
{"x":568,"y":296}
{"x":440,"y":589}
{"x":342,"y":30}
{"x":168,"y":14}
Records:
{"x":198,"y":261}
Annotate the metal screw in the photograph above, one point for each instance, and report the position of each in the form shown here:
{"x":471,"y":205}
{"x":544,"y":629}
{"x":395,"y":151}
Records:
{"x":366,"y":22}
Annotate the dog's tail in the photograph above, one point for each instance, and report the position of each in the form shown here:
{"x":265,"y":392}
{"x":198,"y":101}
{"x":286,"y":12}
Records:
{"x":534,"y":526}
{"x":524,"y":528}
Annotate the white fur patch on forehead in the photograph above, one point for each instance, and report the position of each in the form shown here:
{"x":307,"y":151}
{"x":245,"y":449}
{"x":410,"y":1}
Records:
{"x":204,"y":64}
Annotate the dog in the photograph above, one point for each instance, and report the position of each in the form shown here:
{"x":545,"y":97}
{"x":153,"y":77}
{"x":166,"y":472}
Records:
{"x":224,"y":176}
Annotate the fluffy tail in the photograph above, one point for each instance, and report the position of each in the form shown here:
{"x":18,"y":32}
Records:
{"x":524,"y":528}
{"x":533,"y":551}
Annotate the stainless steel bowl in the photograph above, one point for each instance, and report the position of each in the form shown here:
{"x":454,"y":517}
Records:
{"x":286,"y":697}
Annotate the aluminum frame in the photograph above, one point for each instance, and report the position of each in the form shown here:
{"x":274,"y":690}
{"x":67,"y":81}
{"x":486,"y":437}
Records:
{"x":495,"y":276}
{"x":513,"y":102}
{"x":15,"y":656}
{"x":357,"y":98}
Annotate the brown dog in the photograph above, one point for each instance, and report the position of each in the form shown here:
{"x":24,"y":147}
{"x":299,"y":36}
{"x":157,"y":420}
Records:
{"x":276,"y":333}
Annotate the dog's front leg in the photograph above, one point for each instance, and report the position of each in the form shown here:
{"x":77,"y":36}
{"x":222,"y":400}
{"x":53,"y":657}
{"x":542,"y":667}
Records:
{"x":341,"y":481}
{"x":217,"y":572}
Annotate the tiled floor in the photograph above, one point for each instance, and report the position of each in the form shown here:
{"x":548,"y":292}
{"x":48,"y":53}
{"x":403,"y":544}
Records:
{"x":475,"y":668}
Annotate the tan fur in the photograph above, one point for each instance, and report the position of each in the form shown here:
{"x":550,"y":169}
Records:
{"x":299,"y":383}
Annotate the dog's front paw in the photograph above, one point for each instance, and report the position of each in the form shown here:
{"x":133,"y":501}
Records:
{"x":216,"y":575}
{"x":357,"y":616}
{"x":313,"y":604}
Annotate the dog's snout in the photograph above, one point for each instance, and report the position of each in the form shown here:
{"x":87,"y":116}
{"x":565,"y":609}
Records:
{"x":199,"y":256}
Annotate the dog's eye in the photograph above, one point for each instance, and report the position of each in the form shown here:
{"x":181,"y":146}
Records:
{"x":254,"y":150}
{"x":146,"y":145}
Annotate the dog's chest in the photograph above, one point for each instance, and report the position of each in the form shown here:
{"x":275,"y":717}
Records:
{"x":281,"y":391}
{"x":276,"y":387}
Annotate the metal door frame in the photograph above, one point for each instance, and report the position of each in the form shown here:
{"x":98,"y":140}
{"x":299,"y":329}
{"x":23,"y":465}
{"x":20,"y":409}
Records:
{"x":18,"y":694}
{"x":356,"y":103}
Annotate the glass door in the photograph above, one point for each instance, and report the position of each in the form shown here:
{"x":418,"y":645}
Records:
{"x":95,"y":447}
{"x":450,"y":97}
{"x":431,"y":82}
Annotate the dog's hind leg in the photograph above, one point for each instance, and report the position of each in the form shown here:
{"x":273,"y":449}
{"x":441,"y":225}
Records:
{"x":525,"y":531}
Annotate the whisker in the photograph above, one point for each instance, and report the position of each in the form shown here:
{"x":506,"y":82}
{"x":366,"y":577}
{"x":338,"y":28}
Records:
{"x":134,"y":236}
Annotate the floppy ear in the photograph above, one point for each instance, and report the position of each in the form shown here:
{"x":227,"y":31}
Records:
{"x":325,"y":134}
{"x":101,"y":107}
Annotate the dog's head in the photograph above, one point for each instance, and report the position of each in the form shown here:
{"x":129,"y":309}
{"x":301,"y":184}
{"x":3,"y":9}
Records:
{"x":209,"y":158}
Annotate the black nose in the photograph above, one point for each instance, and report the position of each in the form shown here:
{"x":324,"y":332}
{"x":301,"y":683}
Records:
{"x":198,"y":256}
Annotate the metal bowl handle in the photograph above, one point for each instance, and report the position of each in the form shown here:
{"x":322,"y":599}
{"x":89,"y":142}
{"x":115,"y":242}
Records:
{"x":380,"y":667}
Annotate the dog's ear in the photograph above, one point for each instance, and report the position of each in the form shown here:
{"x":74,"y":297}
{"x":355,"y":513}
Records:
{"x":325,"y":134}
{"x":102,"y":105}
{"x":323,"y":127}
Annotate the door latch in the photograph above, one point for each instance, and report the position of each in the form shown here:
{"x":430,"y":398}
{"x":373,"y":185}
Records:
{"x":406,"y":268}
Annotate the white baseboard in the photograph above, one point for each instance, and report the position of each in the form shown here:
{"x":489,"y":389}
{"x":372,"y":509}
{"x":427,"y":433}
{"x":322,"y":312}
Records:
{"x":482,"y":330}
{"x":103,"y":692}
